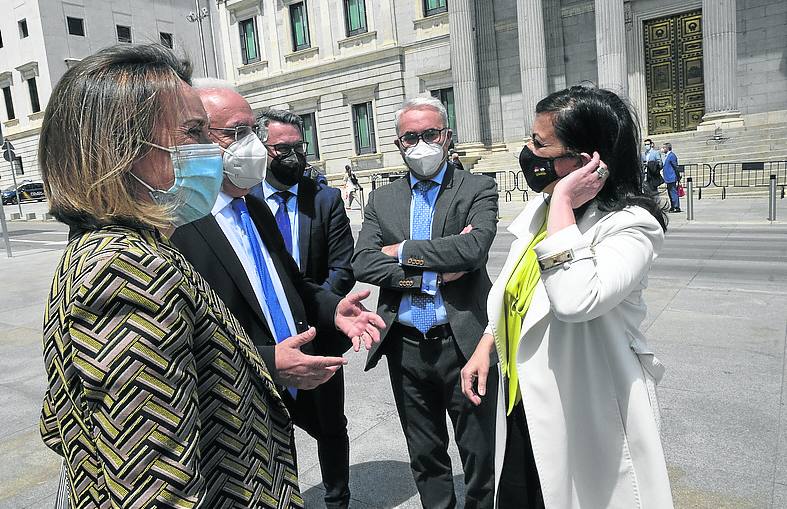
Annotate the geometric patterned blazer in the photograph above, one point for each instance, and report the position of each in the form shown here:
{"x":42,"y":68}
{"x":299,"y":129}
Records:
{"x":156,"y":397}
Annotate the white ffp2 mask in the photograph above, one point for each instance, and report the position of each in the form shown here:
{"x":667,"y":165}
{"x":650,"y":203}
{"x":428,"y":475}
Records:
{"x":246,"y":162}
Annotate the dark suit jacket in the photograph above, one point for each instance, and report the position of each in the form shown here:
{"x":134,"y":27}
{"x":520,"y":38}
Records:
{"x":203,"y":243}
{"x":326,"y":248}
{"x":463,"y":199}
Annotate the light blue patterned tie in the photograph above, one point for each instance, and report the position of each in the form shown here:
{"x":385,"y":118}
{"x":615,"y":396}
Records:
{"x":422,"y":308}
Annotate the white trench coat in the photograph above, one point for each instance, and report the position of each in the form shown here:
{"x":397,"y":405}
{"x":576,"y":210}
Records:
{"x":586,"y":374}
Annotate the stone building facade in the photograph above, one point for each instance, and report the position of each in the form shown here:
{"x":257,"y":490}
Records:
{"x":685,"y":65}
{"x":40,"y":39}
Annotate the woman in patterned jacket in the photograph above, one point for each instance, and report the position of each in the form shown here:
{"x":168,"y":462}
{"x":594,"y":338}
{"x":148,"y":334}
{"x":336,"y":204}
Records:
{"x":156,"y":397}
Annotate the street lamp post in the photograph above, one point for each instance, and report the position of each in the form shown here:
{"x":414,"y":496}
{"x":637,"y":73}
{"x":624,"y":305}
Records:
{"x":198,"y":15}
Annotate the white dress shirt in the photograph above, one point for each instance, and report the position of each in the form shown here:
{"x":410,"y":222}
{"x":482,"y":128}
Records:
{"x":236,"y":234}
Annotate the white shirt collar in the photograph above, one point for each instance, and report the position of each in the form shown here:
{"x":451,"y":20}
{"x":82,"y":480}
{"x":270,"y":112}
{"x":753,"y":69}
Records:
{"x":222,"y":200}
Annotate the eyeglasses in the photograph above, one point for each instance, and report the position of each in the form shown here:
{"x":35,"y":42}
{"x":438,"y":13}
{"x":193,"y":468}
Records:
{"x":238,"y":132}
{"x":429,"y":136}
{"x":285,"y":149}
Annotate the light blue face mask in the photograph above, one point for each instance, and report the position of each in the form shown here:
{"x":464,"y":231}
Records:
{"x":199,"y":171}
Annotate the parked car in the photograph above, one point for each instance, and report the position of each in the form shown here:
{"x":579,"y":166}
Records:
{"x":28,"y":190}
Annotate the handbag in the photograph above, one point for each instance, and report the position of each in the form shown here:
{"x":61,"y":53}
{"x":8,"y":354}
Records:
{"x":681,"y":191}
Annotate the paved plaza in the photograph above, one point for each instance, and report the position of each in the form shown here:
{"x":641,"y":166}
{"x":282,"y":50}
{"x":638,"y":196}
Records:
{"x":717,"y":319}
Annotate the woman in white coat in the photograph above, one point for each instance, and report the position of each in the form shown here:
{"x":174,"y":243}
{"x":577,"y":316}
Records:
{"x":578,"y":422}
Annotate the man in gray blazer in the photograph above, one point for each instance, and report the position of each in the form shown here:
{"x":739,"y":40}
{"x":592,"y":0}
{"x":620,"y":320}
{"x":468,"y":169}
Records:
{"x":424,"y":242}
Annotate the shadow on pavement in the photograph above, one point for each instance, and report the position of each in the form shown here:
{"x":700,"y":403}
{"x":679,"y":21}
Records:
{"x":381,"y":485}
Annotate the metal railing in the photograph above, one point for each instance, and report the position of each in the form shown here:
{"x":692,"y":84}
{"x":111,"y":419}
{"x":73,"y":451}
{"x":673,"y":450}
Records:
{"x":749,"y":174}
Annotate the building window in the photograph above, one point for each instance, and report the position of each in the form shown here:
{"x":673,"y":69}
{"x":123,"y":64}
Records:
{"x":1,"y":39}
{"x":33,"y":89}
{"x":446,"y":96}
{"x":363,"y":128}
{"x":19,"y":168}
{"x":76,"y":26}
{"x":355,"y":17}
{"x":166,"y":39}
{"x":22,"y":28}
{"x":432,"y":7}
{"x":9,"y":103}
{"x":310,"y":136}
{"x":249,"y":45}
{"x":124,"y":33}
{"x":299,"y":22}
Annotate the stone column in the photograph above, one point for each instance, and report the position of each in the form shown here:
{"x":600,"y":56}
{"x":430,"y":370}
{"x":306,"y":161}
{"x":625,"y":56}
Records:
{"x":556,"y":64}
{"x":611,"y":46}
{"x":719,"y":62}
{"x":464,"y":68}
{"x":489,"y":75}
{"x":532,"y":58}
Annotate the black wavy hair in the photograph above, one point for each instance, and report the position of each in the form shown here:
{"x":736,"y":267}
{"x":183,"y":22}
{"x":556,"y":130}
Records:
{"x":588,"y":119}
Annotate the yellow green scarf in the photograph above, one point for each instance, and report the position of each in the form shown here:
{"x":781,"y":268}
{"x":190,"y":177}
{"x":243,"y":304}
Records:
{"x":518,"y":294}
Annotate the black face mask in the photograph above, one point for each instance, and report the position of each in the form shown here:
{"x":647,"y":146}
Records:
{"x":539,"y":171}
{"x":284,"y":172}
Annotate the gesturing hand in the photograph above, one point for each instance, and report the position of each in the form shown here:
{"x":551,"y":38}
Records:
{"x":297,"y":369}
{"x":358,"y":323}
{"x":582,"y":185}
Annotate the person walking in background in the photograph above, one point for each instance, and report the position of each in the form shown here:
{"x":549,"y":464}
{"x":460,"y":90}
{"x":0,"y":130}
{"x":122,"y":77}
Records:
{"x":582,"y":425}
{"x":425,"y":240}
{"x":456,"y":162}
{"x":154,"y":388}
{"x":316,"y":231}
{"x":671,"y":176}
{"x":351,"y":187}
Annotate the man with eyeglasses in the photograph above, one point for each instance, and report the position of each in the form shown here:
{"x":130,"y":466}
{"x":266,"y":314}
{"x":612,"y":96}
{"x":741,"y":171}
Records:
{"x":240,"y":252}
{"x":316,"y":232}
{"x":425,"y":241}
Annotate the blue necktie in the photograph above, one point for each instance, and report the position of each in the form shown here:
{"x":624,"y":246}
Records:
{"x":281,"y":329}
{"x":283,"y":218}
{"x":422,"y":307}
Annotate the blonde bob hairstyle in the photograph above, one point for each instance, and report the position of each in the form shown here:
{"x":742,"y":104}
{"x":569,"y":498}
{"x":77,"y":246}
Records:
{"x":99,"y":116}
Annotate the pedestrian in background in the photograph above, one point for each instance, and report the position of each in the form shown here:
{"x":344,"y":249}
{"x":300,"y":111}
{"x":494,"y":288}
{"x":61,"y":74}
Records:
{"x":456,"y":162}
{"x":582,"y":425}
{"x":154,"y":389}
{"x":652,"y":165}
{"x":351,"y":187}
{"x":671,"y":176}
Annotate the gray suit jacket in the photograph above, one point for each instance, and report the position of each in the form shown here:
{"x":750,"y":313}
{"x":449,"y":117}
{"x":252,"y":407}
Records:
{"x":463,"y":199}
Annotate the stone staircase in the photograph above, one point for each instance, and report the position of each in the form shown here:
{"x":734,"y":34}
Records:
{"x":743,"y":144}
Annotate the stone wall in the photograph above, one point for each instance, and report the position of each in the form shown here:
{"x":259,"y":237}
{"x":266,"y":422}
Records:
{"x":579,"y":39}
{"x":762,"y":55}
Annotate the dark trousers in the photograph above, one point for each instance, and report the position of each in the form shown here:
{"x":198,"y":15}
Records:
{"x":320,"y":413}
{"x":672,"y":191}
{"x":519,"y":484}
{"x":426,"y":384}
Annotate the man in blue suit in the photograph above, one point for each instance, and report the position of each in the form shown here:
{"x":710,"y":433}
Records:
{"x":671,"y":176}
{"x":316,"y":232}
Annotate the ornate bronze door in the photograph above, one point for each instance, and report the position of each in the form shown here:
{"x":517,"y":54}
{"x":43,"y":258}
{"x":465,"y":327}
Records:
{"x":673,"y":72}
